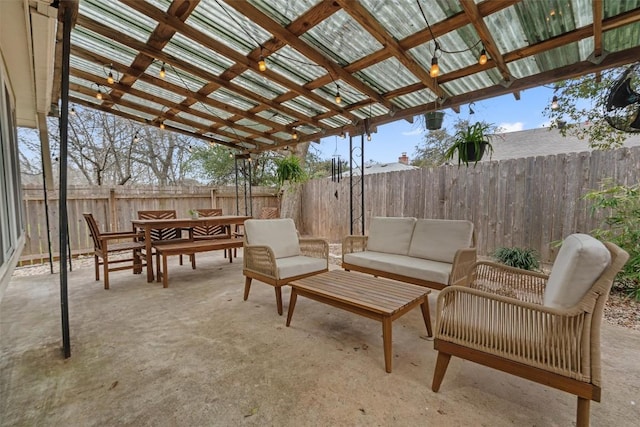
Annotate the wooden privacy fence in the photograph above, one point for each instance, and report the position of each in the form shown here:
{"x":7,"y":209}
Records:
{"x":115,"y":207}
{"x":529,"y":202}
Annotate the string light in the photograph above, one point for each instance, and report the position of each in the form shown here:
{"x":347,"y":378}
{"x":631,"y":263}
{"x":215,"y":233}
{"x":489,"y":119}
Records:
{"x":73,"y":111}
{"x":294,"y":135}
{"x":110,"y":79}
{"x":435,"y":68}
{"x":262,"y":65}
{"x":342,"y":134}
{"x":338,"y":97}
{"x":482,"y":59}
{"x":135,"y":137}
{"x":554,"y":103}
{"x":368,"y":137}
{"x":162,"y":125}
{"x":162,"y":72}
{"x":230,"y":155}
{"x":99,"y":94}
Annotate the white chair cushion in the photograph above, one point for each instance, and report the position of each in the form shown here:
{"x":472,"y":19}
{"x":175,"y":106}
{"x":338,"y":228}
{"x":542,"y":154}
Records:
{"x":580,"y":262}
{"x":433,"y":271}
{"x":390,"y":234}
{"x":440,"y":239}
{"x":297,"y":265}
{"x":279,"y":234}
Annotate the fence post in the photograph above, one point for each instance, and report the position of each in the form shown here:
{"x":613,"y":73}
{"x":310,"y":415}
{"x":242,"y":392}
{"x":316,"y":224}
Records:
{"x":214,"y":202}
{"x":112,"y":209}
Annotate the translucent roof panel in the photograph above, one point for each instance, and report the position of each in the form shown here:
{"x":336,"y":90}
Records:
{"x":304,"y":106}
{"x":295,"y":66}
{"x":191,"y":117}
{"x":161,"y":4}
{"x":341,"y":38}
{"x":524,"y":67}
{"x":472,"y":82}
{"x":506,"y":29}
{"x":256,"y":83}
{"x":179,"y":125}
{"x":284,"y":11}
{"x":121,"y":18}
{"x":253,"y":125}
{"x":94,"y":42}
{"x":177,"y":76}
{"x":91,"y":67}
{"x":216,"y":112}
{"x":612,"y":8}
{"x":414,"y":99}
{"x":225,"y":96}
{"x":276,"y":116}
{"x":399,"y":18}
{"x":134,"y":112}
{"x":223,"y":23}
{"x":542,"y":22}
{"x":142,"y":102}
{"x":458,"y":49}
{"x":621,"y":38}
{"x":158,"y":91}
{"x":87,"y":83}
{"x":236,"y":132}
{"x":387,"y":75}
{"x":196,"y":54}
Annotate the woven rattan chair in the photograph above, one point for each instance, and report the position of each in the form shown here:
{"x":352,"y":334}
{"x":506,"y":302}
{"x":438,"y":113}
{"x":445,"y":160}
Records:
{"x":109,"y":243}
{"x":274,"y":254}
{"x":542,"y":328}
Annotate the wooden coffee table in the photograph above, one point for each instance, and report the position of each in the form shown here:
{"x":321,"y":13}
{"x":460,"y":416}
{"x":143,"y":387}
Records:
{"x":379,"y":299}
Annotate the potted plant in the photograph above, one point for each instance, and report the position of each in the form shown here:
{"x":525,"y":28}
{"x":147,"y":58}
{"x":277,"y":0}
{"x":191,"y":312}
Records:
{"x":289,"y":169}
{"x":470,"y":143}
{"x":433,"y":119}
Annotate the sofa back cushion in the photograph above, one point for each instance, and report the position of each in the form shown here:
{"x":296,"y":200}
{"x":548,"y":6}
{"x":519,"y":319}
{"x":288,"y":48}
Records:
{"x":279,"y":234}
{"x":391,"y":235}
{"x":580,"y":262}
{"x":439,"y":239}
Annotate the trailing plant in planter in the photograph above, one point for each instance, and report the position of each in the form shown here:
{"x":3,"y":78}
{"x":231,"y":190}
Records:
{"x":525,"y":259}
{"x":470,"y":143}
{"x":289,"y":169}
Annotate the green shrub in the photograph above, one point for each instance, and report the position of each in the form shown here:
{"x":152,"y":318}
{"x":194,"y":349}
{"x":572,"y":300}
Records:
{"x":525,"y":259}
{"x":620,"y":206}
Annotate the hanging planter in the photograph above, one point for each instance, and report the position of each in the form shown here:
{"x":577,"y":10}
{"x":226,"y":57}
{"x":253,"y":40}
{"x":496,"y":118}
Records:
{"x":433,"y":119}
{"x":470,"y":144}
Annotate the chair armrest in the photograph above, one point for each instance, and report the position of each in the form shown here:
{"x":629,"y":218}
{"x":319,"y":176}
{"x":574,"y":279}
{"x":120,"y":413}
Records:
{"x":115,"y":235}
{"x":552,"y":339}
{"x":314,"y":247}
{"x":500,"y":279}
{"x":260,"y":259}
{"x":353,"y":243}
{"x":462,"y":262}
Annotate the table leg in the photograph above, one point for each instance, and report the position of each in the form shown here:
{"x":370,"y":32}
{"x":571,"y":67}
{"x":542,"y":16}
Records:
{"x":386,"y":339}
{"x":292,"y":304}
{"x":147,"y":242}
{"x":425,"y":315}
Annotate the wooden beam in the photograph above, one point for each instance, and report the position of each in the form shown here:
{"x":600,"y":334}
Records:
{"x":597,"y":27}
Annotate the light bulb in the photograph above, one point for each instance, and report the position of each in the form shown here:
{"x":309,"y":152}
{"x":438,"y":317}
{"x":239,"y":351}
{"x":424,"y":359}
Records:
{"x":262,"y":65}
{"x":338,"y":97}
{"x":162,"y":72}
{"x":342,"y":134}
{"x":368,"y":137}
{"x":294,"y":135}
{"x":230,"y":155}
{"x":483,"y":57}
{"x":99,"y":94}
{"x":135,"y":137}
{"x":554,"y":103}
{"x":73,"y":111}
{"x":162,"y":125}
{"x":435,"y":68}
{"x":110,"y":78}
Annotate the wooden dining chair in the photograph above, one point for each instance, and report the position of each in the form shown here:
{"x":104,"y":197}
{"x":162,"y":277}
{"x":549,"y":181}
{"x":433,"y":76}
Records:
{"x":109,"y":243}
{"x":160,"y":236}
{"x":210,"y":232}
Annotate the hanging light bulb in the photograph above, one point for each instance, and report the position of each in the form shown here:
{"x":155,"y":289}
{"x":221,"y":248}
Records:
{"x":294,"y":135}
{"x":262,"y":65}
{"x":135,"y":137}
{"x":435,"y":68}
{"x":554,"y":103}
{"x":482,"y":59}
{"x":342,"y":134}
{"x":99,"y":94}
{"x":110,"y":79}
{"x":162,"y":125}
{"x":73,"y":111}
{"x":230,"y":155}
{"x":338,"y":97}
{"x":162,"y":72}
{"x":368,"y":137}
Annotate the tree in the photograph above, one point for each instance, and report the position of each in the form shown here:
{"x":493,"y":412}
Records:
{"x":580,"y":109}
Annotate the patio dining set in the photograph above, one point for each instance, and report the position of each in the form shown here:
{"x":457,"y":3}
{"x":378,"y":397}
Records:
{"x":544,"y":328}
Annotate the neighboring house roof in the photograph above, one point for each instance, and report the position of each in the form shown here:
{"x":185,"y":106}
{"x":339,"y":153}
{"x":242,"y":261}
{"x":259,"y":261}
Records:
{"x":382,"y":168}
{"x":541,"y":142}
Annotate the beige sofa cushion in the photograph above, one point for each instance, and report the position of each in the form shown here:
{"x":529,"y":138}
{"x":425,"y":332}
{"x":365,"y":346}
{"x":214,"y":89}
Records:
{"x":279,"y":234}
{"x":390,"y":234}
{"x":580,"y":262}
{"x":418,"y":268}
{"x":298,"y":265}
{"x":440,"y":239}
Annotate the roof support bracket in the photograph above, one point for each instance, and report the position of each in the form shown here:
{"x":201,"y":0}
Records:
{"x":597,"y":59}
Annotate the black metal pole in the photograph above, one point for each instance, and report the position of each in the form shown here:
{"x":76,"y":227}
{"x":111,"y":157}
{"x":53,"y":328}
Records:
{"x":237,"y":193}
{"x":46,"y":212}
{"x":64,"y":220}
{"x":350,"y":184}
{"x":250,"y":190}
{"x":362,"y":181}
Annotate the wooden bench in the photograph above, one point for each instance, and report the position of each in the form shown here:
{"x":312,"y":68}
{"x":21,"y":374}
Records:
{"x":189,"y":247}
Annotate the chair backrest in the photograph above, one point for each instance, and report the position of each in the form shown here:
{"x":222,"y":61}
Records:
{"x":208,"y":230}
{"x":161,"y":233}
{"x":279,"y":234}
{"x":269,"y":213}
{"x":93,"y":230}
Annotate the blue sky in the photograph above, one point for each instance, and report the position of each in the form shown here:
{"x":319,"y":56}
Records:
{"x":393,"y":139}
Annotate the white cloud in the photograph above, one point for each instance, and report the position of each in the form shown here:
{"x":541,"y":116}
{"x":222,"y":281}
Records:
{"x":414,"y":132}
{"x":510,"y":127}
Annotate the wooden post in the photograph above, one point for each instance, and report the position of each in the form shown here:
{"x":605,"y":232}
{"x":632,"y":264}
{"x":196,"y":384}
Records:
{"x":214,"y":202}
{"x":112,"y":210}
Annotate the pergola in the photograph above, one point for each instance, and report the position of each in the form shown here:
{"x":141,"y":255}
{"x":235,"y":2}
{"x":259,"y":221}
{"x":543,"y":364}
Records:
{"x":195,"y":66}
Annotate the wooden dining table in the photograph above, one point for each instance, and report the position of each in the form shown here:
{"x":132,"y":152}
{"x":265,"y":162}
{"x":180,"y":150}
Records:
{"x":150,"y":224}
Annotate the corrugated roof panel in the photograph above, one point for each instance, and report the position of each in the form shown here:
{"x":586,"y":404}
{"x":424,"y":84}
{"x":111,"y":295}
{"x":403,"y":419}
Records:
{"x":305,"y":106}
{"x":295,"y":66}
{"x":388,"y":75}
{"x":254,"y":125}
{"x":224,"y":24}
{"x":348,"y":94}
{"x":621,"y":38}
{"x":177,"y":76}
{"x":158,"y":91}
{"x":142,"y":102}
{"x":414,"y":99}
{"x":264,"y":140}
{"x":192,"y":117}
{"x":400,"y":18}
{"x":179,"y":125}
{"x":341,"y":38}
{"x":473,"y":82}
{"x":87,"y":83}
{"x":282,"y":135}
{"x":276,"y":116}
{"x":121,"y":18}
{"x":541,"y":20}
{"x":91,"y":67}
{"x":284,"y":11}
{"x":255,"y":82}
{"x":161,"y":4}
{"x":524,"y":67}
{"x":227,"y":97}
{"x":88,"y":98}
{"x":237,"y":132}
{"x":205,"y":108}
{"x":134,"y":112}
{"x":336,"y":122}
{"x":197,"y":54}
{"x":506,"y":30}
{"x":612,"y":8}
{"x":94,"y":42}
{"x":458,"y":49}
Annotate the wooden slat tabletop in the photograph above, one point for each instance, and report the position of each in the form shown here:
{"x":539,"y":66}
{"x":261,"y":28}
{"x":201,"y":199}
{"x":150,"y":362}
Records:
{"x":371,"y":293}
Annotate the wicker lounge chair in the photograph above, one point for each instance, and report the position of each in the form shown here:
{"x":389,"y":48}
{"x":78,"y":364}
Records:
{"x":542,"y":328}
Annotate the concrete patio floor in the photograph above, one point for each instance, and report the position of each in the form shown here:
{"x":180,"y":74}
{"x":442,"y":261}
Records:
{"x":197,"y":354}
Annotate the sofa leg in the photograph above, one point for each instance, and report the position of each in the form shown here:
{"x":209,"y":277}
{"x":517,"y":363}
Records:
{"x":582,"y":418}
{"x":247,"y":287}
{"x":441,"y":367}
{"x":279,"y":299}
